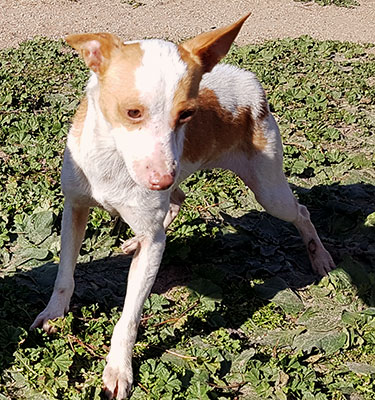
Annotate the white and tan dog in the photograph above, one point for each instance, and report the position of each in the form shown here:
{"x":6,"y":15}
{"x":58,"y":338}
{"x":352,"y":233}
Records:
{"x":154,"y":113}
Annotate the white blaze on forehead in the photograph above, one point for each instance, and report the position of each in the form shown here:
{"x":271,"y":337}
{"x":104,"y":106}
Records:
{"x":158,"y":76}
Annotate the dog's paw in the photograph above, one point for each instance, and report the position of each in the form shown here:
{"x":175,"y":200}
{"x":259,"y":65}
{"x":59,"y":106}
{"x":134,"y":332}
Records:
{"x":42,"y":321}
{"x":130,"y":246}
{"x":117,"y":381}
{"x":322,"y":262}
{"x":56,"y":308}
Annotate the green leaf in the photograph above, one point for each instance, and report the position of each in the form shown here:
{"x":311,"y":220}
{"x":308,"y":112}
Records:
{"x":352,"y":318}
{"x":279,"y":337}
{"x":370,"y":220}
{"x":39,"y":226}
{"x":63,"y":361}
{"x":329,"y":342}
{"x":207,"y":292}
{"x":239,"y":362}
{"x":288,"y":301}
{"x":31,"y":253}
{"x":178,"y":357}
{"x":321,"y":319}
{"x":369,"y":311}
{"x":155,"y":303}
{"x":276,"y":289}
{"x":361,"y":368}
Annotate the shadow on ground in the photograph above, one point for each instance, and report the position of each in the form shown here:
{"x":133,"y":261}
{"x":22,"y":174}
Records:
{"x":253,"y":246}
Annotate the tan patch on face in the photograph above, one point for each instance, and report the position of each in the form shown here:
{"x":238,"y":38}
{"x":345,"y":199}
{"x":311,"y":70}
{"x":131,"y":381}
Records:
{"x":188,"y":87}
{"x":118,"y":93}
{"x":214,"y":130}
{"x":79,"y":119}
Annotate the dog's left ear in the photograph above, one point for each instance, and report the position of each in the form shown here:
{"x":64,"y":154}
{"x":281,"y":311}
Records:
{"x":210,"y":47}
{"x":95,"y":48}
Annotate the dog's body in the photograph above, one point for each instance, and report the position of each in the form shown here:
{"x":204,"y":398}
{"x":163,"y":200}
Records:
{"x":134,"y":138}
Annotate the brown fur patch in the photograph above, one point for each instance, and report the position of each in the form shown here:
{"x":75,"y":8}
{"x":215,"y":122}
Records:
{"x":187,"y":89}
{"x":214,"y":130}
{"x":118,"y":93}
{"x":116,"y":63}
{"x":79,"y":119}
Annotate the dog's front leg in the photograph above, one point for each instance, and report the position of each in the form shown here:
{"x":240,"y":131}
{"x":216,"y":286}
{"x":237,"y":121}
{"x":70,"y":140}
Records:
{"x":118,"y":374}
{"x":177,"y":198}
{"x":72,"y":232}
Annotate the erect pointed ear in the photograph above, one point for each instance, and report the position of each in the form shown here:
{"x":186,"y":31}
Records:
{"x":210,"y":47}
{"x":95,"y":48}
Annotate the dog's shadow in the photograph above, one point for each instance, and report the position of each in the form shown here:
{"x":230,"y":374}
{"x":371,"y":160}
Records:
{"x":254,"y":246}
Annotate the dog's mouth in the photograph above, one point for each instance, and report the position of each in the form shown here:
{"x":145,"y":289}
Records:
{"x":158,"y":187}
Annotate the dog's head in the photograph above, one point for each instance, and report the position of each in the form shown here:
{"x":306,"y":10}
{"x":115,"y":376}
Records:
{"x":147,"y":93}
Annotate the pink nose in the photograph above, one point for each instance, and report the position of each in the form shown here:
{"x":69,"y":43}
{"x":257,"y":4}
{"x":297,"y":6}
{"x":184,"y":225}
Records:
{"x":161,"y":182}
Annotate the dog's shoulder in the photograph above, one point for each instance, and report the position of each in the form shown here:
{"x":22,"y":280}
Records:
{"x":236,"y":89}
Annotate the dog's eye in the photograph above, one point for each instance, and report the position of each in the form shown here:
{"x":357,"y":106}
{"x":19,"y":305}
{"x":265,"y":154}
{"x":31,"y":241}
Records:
{"x":134,"y":114}
{"x":185,"y":116}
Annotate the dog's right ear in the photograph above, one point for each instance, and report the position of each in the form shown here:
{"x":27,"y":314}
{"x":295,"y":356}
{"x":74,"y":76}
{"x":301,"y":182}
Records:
{"x":95,"y":48}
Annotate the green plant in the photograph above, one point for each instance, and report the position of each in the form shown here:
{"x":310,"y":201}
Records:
{"x":339,"y":3}
{"x":241,"y":316}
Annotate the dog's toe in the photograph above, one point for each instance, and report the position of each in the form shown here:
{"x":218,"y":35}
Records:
{"x":42,"y":320}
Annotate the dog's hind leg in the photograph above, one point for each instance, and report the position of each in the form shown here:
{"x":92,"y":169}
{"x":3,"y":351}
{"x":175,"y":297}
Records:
{"x":73,"y":229}
{"x":278,"y":200}
{"x":262,"y":172}
{"x":177,"y":198}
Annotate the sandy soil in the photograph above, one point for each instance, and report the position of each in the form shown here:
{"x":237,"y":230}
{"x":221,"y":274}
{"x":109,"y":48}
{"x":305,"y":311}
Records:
{"x":178,"y":19}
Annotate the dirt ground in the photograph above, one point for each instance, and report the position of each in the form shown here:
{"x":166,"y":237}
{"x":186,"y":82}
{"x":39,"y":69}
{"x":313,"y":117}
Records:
{"x":179,"y":19}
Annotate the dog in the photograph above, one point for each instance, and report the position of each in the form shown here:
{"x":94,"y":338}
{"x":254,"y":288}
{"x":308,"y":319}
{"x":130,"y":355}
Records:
{"x":154,"y":113}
